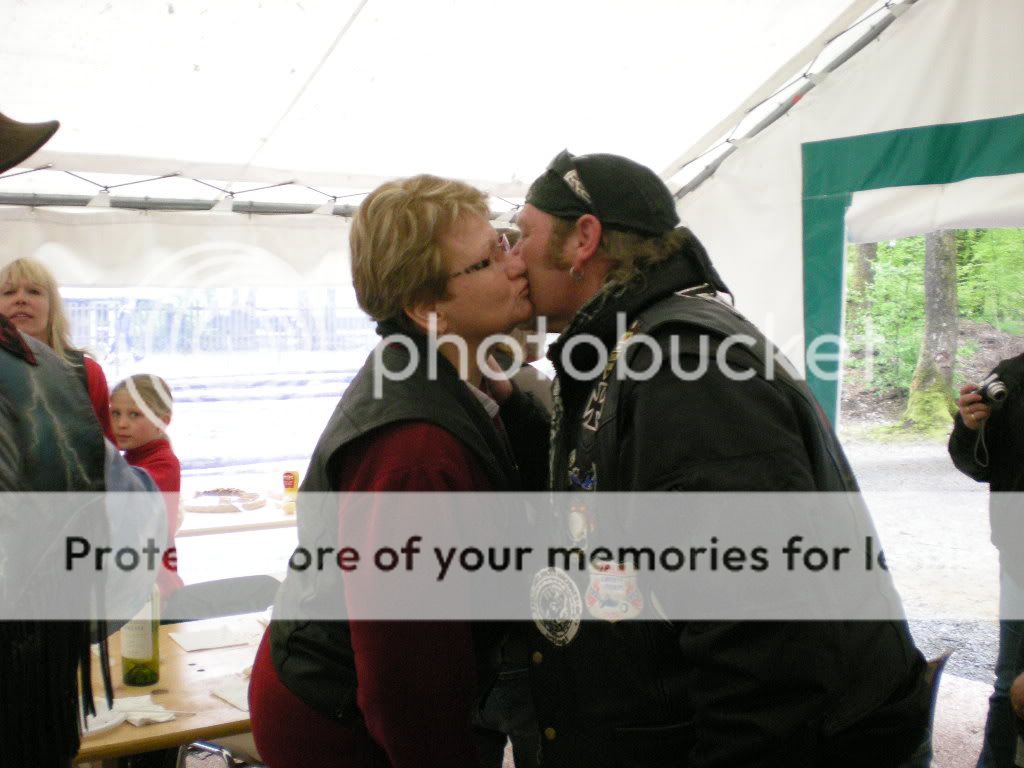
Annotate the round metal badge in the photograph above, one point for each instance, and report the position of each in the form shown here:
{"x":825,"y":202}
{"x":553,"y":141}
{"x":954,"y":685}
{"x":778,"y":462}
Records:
{"x":556,"y":605}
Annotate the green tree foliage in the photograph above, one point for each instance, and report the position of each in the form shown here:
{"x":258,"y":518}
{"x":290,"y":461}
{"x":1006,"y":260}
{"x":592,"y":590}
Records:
{"x":990,"y":277}
{"x":886,"y":319}
{"x":889,"y":331}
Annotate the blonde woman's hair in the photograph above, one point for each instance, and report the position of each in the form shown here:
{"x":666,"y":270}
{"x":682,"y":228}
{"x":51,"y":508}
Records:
{"x":395,"y":242}
{"x":149,"y":390}
{"x":29,"y":270}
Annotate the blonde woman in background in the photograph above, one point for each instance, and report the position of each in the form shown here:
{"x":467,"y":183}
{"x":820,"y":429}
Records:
{"x":31,"y":300}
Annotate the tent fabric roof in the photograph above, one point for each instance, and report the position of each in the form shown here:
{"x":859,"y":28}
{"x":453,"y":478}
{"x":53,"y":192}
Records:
{"x":345,"y":93}
{"x":943,"y":63}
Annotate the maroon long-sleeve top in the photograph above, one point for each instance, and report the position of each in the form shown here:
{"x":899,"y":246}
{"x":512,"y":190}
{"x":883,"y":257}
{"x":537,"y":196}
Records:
{"x":158,"y":459}
{"x":417,"y":679}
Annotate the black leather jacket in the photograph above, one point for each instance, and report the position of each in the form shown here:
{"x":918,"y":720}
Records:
{"x":657,"y":693}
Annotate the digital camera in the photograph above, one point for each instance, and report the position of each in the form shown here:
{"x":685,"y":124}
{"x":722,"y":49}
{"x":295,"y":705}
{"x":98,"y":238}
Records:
{"x":993,"y":391}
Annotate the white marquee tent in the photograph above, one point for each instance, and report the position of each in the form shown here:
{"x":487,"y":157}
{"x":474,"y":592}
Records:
{"x":922,"y":130}
{"x":329,"y":97}
{"x":344,"y":93}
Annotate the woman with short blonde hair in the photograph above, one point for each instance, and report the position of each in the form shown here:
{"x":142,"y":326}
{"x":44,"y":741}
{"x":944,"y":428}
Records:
{"x":337,"y":693}
{"x":397,"y":257}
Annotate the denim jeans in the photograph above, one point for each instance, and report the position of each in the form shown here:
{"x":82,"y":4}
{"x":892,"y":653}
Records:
{"x":1000,"y":745}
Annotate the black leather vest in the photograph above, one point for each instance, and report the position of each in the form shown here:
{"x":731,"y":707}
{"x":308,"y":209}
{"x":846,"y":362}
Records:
{"x":314,"y":659}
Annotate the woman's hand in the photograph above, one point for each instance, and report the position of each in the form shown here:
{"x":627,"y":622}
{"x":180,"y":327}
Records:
{"x":498,"y":384}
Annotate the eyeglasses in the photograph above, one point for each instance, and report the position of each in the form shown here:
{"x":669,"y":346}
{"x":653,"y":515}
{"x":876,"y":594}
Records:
{"x":484,"y":263}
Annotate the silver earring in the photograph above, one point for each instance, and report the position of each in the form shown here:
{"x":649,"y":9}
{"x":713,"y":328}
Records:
{"x":576,"y":274}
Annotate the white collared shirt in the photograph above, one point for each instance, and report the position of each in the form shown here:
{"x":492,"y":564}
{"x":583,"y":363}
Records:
{"x":489,"y":403}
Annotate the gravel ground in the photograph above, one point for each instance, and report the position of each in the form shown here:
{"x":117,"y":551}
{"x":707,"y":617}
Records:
{"x":953,"y":508}
{"x":975,"y":643}
{"x":925,"y":466}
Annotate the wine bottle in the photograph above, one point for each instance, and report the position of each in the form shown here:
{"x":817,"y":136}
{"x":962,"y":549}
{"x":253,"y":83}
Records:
{"x":140,"y":645}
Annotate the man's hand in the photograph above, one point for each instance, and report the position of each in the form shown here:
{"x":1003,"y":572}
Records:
{"x":972,"y":410}
{"x":1017,"y":696}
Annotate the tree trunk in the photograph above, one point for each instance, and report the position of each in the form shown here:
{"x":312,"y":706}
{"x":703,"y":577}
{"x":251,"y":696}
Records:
{"x":931,"y":403}
{"x":862,"y":274}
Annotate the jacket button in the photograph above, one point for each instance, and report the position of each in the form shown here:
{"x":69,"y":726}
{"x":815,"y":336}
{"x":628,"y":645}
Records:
{"x":536,"y":657}
{"x":550,"y":734}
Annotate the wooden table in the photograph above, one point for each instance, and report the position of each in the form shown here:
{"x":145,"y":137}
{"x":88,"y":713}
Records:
{"x":206,"y":523}
{"x":186,"y":683}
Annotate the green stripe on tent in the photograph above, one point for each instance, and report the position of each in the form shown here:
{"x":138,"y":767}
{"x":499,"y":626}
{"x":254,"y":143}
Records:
{"x":823,"y":290}
{"x":836,"y":168}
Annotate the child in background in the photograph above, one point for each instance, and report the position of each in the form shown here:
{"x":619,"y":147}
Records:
{"x":140,"y":410}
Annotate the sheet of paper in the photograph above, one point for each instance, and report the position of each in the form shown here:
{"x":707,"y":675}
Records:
{"x":219,"y":637}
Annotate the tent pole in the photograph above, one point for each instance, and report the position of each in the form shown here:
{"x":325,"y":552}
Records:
{"x":165,"y":204}
{"x":31,"y":200}
{"x":784,"y":107}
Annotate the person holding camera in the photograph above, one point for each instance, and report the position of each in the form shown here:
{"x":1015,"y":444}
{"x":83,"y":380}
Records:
{"x":987,"y":444}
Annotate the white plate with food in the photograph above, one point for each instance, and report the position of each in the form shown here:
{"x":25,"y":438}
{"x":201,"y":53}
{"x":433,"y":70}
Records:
{"x":225,"y":500}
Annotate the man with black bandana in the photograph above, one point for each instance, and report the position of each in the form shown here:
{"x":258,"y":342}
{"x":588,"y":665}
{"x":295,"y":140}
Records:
{"x":604,"y":250}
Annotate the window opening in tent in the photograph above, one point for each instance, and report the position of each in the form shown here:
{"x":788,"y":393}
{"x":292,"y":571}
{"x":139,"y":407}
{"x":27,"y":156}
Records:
{"x":887,"y":303}
{"x":932,"y":519}
{"x":255,"y":372}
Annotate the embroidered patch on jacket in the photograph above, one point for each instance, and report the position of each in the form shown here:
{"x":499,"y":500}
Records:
{"x":581,"y":524}
{"x":556,"y":605}
{"x":582,"y":481}
{"x":595,"y":404}
{"x":613,"y":593}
